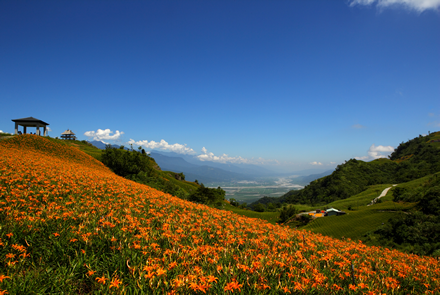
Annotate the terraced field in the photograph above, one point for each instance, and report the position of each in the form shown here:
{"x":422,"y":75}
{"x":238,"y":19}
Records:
{"x":353,"y":225}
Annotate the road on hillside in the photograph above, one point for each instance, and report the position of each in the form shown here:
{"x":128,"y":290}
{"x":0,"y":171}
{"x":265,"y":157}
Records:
{"x":383,"y":194}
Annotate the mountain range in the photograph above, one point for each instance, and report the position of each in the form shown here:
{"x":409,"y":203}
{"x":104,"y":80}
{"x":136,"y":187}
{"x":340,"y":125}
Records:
{"x":209,"y":171}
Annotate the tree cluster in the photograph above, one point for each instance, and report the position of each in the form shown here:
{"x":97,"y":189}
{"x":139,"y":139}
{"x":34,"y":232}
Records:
{"x":206,"y":195}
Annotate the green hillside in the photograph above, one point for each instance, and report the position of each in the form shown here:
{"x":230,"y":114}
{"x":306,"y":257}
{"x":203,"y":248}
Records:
{"x":411,"y":160}
{"x":407,"y":218}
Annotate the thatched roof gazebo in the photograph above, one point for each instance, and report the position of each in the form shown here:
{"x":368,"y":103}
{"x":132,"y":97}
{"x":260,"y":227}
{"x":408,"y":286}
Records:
{"x":68,"y":135}
{"x":30,"y":122}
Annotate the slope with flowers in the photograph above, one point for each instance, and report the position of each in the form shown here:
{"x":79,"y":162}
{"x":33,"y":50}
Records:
{"x":69,"y":225}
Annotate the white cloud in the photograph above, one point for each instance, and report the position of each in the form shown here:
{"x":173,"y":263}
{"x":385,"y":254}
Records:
{"x":103,"y":134}
{"x":417,"y":5}
{"x":163,"y":145}
{"x":1,"y":131}
{"x":316,"y":163}
{"x":209,"y":156}
{"x":357,"y":126}
{"x":376,"y":152}
{"x":48,"y":129}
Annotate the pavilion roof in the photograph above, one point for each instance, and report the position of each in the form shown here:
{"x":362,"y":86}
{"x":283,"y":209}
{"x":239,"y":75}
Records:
{"x":29,"y":120}
{"x":67,"y":132}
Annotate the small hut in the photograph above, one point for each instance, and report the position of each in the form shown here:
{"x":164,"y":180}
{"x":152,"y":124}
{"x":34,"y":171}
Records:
{"x":68,"y":135}
{"x":332,"y":212}
{"x":30,"y":122}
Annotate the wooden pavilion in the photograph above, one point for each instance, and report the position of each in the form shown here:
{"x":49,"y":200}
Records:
{"x":68,"y":135}
{"x":30,"y":122}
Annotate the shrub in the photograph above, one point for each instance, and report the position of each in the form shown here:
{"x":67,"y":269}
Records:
{"x":286,"y":213}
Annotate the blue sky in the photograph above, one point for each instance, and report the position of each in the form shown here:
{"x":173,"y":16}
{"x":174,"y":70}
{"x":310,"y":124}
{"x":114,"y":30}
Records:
{"x":288,"y":84}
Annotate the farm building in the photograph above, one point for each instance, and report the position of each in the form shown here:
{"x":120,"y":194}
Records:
{"x":333,"y":211}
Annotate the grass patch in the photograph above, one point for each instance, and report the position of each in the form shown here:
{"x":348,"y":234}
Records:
{"x":271,"y":217}
{"x":360,"y":200}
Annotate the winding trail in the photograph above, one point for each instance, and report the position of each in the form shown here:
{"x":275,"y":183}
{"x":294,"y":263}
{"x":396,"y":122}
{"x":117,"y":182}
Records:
{"x":383,"y":194}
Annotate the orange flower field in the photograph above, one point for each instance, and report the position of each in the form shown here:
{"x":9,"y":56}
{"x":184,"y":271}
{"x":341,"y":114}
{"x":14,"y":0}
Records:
{"x":70,"y":225}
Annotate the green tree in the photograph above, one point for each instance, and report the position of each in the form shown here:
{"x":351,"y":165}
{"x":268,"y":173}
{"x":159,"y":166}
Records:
{"x":430,"y":202}
{"x":259,"y":207}
{"x":286,"y":213}
{"x":206,"y":195}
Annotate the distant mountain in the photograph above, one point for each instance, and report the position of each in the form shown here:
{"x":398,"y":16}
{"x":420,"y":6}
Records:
{"x":304,"y":180}
{"x":248,"y":169}
{"x":101,"y":145}
{"x":192,"y":172}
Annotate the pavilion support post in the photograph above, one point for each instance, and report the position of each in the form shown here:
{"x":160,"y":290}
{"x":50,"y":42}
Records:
{"x":16,"y":128}
{"x":24,"y":129}
{"x":38,"y":129}
{"x":45,"y":130}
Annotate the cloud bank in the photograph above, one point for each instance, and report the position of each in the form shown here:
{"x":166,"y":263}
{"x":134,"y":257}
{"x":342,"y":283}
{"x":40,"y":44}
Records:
{"x":316,"y":163}
{"x":101,"y":135}
{"x":417,"y":5}
{"x":209,"y":156}
{"x":163,"y":145}
{"x":376,"y":152}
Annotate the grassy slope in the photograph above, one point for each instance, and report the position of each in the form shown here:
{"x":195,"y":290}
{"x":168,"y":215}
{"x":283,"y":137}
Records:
{"x":353,"y":225}
{"x":96,"y":153}
{"x":271,"y":217}
{"x":357,"y":223}
{"x":69,"y":224}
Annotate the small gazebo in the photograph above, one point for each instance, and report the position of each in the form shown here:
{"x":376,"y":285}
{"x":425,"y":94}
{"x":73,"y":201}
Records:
{"x":68,"y":135}
{"x":30,"y":122}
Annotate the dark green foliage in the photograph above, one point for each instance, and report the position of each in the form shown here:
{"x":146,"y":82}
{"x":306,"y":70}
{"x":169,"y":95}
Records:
{"x":287,"y":212}
{"x":399,"y":193}
{"x":304,"y":219}
{"x":430,"y":202}
{"x":206,"y":195}
{"x":125,"y":163}
{"x":259,"y":207}
{"x":275,"y":203}
{"x":417,"y":233}
{"x":234,"y":202}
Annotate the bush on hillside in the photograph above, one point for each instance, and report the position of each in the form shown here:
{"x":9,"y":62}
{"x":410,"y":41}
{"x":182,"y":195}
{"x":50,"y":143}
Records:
{"x":259,"y":207}
{"x":206,"y":195}
{"x":286,"y":213}
{"x":430,"y":202}
{"x":125,"y":163}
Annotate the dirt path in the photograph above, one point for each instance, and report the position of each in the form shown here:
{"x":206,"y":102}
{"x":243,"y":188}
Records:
{"x":383,"y":194}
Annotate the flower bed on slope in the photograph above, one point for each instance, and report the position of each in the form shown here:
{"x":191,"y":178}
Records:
{"x":68,"y":224}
